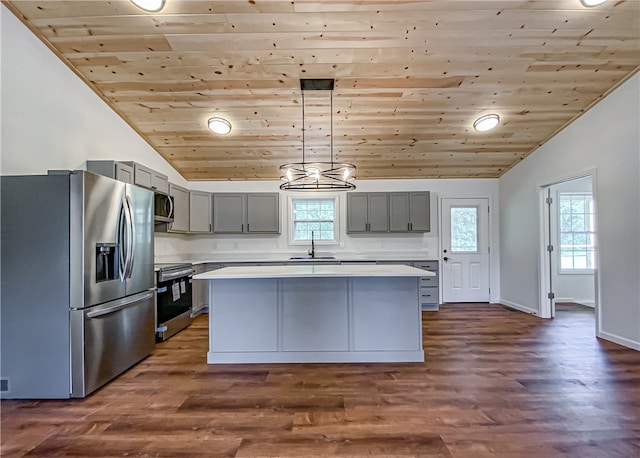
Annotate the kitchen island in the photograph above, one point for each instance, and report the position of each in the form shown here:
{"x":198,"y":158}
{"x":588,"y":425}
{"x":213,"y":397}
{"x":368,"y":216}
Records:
{"x":315,"y":313}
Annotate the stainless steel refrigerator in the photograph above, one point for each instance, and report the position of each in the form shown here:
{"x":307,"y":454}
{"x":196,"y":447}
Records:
{"x":77,"y":289}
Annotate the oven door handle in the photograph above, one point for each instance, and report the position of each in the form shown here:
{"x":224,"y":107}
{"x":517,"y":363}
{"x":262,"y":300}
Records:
{"x":164,"y":276}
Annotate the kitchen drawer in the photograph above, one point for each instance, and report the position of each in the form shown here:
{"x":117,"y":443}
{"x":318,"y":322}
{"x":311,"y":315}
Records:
{"x":429,"y":281}
{"x":427,"y":265}
{"x":429,"y":295}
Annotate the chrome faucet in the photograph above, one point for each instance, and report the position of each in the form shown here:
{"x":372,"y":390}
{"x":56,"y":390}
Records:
{"x":312,"y":251}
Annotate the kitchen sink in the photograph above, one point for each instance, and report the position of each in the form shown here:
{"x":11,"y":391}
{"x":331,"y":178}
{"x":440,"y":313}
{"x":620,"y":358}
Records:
{"x":309,"y":258}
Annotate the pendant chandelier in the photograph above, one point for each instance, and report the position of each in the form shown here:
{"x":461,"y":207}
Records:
{"x":317,"y":175}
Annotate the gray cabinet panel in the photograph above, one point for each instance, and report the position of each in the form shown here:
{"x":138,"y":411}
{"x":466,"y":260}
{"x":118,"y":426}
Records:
{"x":419,"y":211}
{"x":124,"y":172}
{"x":263,"y":212}
{"x":378,"y":208}
{"x":142,"y":176}
{"x":199,"y":211}
{"x":357,"y":212}
{"x":399,"y":212}
{"x":180,"y":209}
{"x":228,"y":213}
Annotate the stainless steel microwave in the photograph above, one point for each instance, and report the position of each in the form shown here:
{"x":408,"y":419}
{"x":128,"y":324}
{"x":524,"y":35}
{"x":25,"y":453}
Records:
{"x":163,"y":208}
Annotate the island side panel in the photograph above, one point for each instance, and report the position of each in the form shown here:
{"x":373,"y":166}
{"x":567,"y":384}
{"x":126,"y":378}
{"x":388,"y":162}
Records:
{"x":243,"y":316}
{"x":315,"y":314}
{"x":386,"y":314}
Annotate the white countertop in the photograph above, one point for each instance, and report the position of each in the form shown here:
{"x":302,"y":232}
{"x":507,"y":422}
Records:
{"x":306,"y":271}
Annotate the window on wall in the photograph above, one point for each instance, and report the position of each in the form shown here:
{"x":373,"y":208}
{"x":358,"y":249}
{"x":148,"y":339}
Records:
{"x":311,"y":215}
{"x":577,"y":232}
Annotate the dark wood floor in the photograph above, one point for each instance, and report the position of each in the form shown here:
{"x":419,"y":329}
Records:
{"x":495,"y":383}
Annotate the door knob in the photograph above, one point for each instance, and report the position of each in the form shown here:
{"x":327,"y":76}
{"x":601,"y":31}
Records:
{"x":445,"y":258}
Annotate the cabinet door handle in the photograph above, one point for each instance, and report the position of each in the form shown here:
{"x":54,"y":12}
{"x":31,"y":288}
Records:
{"x":248,"y":230}
{"x":242,"y":227}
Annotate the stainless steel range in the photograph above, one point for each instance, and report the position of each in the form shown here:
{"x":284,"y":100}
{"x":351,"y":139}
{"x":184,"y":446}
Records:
{"x":174,"y":299}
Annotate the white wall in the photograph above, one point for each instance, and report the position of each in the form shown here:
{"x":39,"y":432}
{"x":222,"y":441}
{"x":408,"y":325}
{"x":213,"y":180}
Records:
{"x":570,"y":287}
{"x":52,"y":120}
{"x":606,"y":139}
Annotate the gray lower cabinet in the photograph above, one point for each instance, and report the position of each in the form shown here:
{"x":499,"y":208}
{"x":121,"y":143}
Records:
{"x":246,"y":213}
{"x":180,"y":209}
{"x":199,"y":211}
{"x":367,"y":212}
{"x":409,"y":211}
{"x":429,"y":286}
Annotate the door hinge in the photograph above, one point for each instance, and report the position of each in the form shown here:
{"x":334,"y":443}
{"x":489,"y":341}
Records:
{"x":549,"y":248}
{"x":549,"y":200}
{"x":551,"y":296}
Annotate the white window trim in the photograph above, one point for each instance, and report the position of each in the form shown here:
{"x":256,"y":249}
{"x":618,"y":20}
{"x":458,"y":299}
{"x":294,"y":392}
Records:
{"x":336,"y":218}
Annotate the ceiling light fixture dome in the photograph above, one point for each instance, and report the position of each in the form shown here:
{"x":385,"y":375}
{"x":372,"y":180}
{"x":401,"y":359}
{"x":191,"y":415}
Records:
{"x":486,"y":122}
{"x":317,"y":175}
{"x":153,"y":6}
{"x":219,"y":125}
{"x":592,"y":3}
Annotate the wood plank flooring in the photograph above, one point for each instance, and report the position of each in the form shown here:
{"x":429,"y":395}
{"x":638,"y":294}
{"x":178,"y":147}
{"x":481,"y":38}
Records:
{"x":495,"y":383}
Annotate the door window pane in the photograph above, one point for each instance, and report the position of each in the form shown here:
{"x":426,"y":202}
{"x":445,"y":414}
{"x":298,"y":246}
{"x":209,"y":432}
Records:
{"x":464,"y":229}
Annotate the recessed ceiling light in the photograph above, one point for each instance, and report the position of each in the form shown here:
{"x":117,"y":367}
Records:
{"x":486,"y":122}
{"x":152,"y":6}
{"x":590,"y":3}
{"x":219,"y":125}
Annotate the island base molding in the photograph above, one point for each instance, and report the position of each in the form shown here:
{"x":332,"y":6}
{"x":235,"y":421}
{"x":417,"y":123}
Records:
{"x":316,"y":357}
{"x":315,"y":320}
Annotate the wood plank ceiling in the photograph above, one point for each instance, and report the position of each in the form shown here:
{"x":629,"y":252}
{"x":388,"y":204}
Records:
{"x":410,"y":77}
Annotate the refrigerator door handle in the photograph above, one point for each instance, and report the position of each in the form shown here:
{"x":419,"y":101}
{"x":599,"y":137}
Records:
{"x":122,"y":262}
{"x":126,"y":302}
{"x":130,"y":237}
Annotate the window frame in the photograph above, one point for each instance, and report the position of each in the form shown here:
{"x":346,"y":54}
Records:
{"x":592,"y":231}
{"x":314,"y":196}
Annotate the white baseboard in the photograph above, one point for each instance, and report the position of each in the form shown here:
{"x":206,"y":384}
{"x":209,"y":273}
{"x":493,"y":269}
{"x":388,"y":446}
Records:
{"x":619,"y":340}
{"x":519,"y":307}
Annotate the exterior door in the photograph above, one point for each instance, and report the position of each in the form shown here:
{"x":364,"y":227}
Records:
{"x":465,"y":250}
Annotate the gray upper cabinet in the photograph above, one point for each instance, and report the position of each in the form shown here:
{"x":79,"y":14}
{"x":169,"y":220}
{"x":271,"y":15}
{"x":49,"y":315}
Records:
{"x":246,"y":213}
{"x":131,"y":172}
{"x":419,"y":212}
{"x":409,"y":212}
{"x":180,"y":209}
{"x":357,"y":212}
{"x":263,"y":212}
{"x":367,"y":212}
{"x":228,"y":213}
{"x":148,"y":178}
{"x":112,"y":169}
{"x":399,"y":212}
{"x":200,"y":209}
